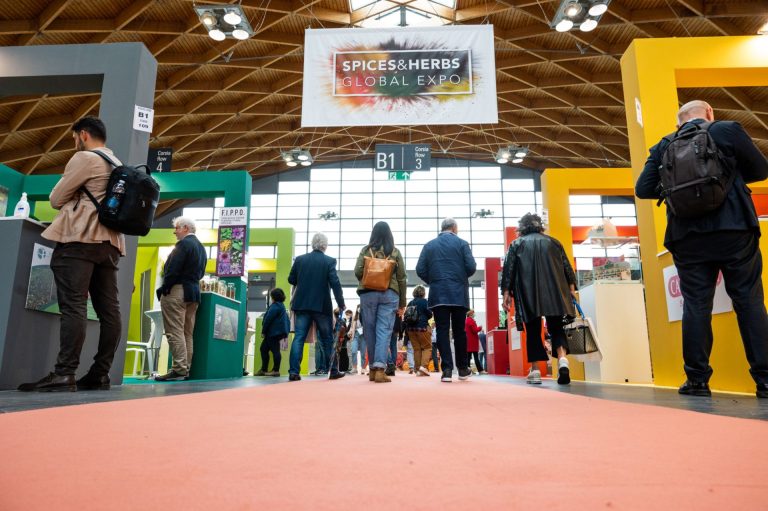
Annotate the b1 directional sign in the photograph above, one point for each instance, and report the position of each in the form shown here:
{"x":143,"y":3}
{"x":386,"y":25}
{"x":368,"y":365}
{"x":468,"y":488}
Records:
{"x":394,"y":157}
{"x":160,"y":160}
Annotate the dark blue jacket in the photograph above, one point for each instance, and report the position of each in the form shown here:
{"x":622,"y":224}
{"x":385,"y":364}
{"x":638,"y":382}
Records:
{"x":185,"y":266}
{"x":424,"y":313}
{"x":275,"y":322}
{"x":445,"y":264}
{"x":738,"y":210}
{"x":313,"y":275}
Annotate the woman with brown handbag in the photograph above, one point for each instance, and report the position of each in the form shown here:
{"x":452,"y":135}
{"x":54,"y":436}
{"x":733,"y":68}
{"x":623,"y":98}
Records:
{"x":380,"y":269}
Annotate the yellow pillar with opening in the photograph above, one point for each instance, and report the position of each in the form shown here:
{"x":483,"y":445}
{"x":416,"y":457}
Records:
{"x":652,"y":72}
{"x":557,"y":185}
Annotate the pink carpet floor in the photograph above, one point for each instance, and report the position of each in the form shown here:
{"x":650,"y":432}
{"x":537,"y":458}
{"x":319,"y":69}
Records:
{"x":413,"y":444}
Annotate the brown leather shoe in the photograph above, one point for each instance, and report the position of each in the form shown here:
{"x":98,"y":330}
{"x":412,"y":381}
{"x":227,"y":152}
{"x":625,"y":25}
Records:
{"x":372,"y":374}
{"x":381,"y":377}
{"x":51,"y":383}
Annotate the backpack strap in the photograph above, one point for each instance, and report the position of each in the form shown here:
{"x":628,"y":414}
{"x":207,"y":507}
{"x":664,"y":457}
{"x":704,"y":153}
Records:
{"x":85,"y":190}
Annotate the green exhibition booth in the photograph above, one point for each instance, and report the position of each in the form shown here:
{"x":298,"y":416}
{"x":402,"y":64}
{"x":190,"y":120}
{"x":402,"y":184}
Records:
{"x":214,"y":357}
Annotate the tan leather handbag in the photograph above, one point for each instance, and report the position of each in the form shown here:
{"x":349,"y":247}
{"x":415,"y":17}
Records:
{"x":377,"y":272}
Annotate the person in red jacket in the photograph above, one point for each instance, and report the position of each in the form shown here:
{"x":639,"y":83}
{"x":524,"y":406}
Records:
{"x":472,"y":330}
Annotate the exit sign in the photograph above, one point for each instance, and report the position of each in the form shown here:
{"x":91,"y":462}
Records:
{"x":399,"y":176}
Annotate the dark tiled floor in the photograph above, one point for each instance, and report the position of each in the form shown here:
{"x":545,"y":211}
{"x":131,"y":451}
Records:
{"x":732,"y":405}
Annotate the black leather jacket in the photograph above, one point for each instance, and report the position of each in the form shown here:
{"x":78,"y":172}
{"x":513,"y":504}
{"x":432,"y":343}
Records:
{"x":538,"y":275}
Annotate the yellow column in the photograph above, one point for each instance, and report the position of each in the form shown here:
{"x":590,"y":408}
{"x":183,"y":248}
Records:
{"x":652,"y":71}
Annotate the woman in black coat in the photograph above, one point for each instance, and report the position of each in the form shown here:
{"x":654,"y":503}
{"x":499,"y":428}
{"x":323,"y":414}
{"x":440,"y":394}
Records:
{"x":540,"y":281}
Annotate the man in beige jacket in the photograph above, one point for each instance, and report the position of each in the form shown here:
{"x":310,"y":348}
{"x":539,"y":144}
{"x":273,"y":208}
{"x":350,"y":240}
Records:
{"x":84,"y":261}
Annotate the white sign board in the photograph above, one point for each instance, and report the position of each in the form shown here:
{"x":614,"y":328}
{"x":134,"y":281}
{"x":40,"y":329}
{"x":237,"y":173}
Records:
{"x":233,"y":216}
{"x":402,"y":76}
{"x":722,"y":302}
{"x":143,"y":118}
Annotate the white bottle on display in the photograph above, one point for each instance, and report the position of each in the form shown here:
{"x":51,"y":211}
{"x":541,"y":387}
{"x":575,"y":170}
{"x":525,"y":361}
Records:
{"x":22,"y":207}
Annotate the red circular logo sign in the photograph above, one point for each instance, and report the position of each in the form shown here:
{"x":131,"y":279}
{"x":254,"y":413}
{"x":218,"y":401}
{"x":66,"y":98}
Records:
{"x":674,"y":287}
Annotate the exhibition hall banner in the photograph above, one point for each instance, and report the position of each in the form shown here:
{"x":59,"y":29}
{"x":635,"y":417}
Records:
{"x":399,"y":76}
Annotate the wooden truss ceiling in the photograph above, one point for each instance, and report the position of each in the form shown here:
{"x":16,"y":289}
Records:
{"x":237,"y":104}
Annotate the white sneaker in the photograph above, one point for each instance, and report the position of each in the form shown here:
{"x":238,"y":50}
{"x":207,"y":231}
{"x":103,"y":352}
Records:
{"x":534,"y":377}
{"x":563,"y":371}
{"x":423,"y":371}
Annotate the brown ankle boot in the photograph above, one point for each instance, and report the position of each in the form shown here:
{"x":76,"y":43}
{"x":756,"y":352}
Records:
{"x":372,"y":374}
{"x":381,"y":377}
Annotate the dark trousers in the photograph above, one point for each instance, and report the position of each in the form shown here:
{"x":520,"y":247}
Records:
{"x":533,"y":343}
{"x":271,"y":344}
{"x":341,"y":352}
{"x":392,"y":354}
{"x":434,"y":357}
{"x":79,"y":269}
{"x":451,"y":317}
{"x":699,"y":257}
{"x":476,"y":356}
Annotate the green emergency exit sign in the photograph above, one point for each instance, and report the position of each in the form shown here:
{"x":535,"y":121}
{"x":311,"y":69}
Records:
{"x":400,"y":175}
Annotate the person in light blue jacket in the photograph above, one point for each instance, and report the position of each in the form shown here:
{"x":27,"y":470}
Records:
{"x":445,"y":264}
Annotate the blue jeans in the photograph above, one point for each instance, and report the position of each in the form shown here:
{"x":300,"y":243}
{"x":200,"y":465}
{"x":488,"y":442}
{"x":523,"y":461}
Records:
{"x":392,"y":356}
{"x":409,"y":355}
{"x":358,"y":343}
{"x":321,"y":362}
{"x":379,"y":309}
{"x":323,"y":324}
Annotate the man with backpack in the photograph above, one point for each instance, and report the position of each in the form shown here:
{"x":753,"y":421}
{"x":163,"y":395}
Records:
{"x":701,"y":171}
{"x":84,"y":261}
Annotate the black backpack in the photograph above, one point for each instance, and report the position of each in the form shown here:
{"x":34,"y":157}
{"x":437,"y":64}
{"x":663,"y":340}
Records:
{"x":695,"y":178}
{"x":411,"y":316}
{"x":131,"y":200}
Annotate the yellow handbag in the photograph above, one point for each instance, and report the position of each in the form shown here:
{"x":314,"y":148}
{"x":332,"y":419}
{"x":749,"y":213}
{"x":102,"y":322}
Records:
{"x":377,"y":272}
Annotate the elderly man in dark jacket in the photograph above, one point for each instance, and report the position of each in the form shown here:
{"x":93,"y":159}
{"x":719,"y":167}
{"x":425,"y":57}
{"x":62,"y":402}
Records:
{"x":539,"y":278}
{"x":180,"y":296}
{"x":724,"y":240}
{"x":313,"y":275}
{"x":445,"y":264}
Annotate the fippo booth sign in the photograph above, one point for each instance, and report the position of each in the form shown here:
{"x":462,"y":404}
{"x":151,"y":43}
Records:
{"x":404,"y":76}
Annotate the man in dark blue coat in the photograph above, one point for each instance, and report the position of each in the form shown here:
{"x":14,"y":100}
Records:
{"x":313,"y":275}
{"x":180,"y":296}
{"x":445,"y":264}
{"x":724,"y":240}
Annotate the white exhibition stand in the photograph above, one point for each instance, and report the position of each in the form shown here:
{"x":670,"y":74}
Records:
{"x":617,"y":309}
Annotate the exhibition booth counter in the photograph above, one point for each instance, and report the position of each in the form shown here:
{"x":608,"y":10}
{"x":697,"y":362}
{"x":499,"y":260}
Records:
{"x":218,"y":349}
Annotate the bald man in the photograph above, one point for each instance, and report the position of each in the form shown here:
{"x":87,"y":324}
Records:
{"x":724,"y":240}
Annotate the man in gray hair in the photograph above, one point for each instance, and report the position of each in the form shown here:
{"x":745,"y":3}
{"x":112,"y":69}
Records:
{"x":445,"y":264}
{"x":312,"y":275}
{"x":180,"y":296}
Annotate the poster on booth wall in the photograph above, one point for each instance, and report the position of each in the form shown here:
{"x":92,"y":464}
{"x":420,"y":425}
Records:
{"x":230,"y":260}
{"x":402,"y":76}
{"x":722,"y":302}
{"x":41,"y":291}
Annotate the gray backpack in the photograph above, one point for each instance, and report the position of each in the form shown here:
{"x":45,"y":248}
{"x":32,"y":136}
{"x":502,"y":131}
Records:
{"x":695,"y":178}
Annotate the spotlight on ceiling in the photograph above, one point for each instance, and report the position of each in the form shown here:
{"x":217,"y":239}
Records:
{"x":483,"y":213}
{"x":512,"y":153}
{"x":581,"y":14}
{"x":224,"y":21}
{"x":297,"y":156}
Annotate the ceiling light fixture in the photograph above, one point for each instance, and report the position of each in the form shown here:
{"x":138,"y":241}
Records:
{"x":297,"y":156}
{"x":581,"y":14}
{"x":224,"y":21}
{"x":511,"y":153}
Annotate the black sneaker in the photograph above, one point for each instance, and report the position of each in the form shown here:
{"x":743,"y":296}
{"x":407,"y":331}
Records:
{"x":447,"y":376}
{"x":91,"y":382}
{"x":171,"y":376}
{"x":695,"y":388}
{"x":337,"y":375}
{"x":762,"y":390}
{"x":464,"y":374}
{"x":51,"y":383}
{"x":390,"y":370}
{"x":294,"y":377}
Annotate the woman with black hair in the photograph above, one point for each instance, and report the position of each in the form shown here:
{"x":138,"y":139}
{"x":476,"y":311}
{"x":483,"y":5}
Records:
{"x":540,"y":280}
{"x":274,"y":328}
{"x":379,"y":307}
